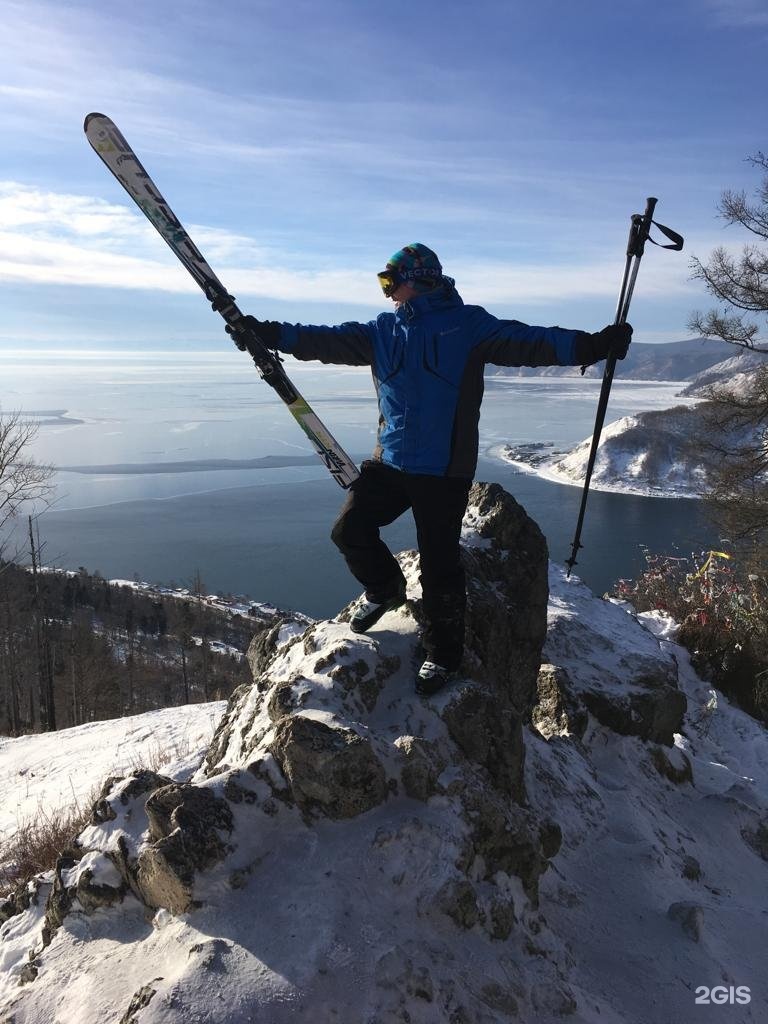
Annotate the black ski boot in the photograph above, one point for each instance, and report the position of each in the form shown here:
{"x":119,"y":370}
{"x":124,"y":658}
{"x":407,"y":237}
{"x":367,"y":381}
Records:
{"x":367,"y":613}
{"x":432,"y":677}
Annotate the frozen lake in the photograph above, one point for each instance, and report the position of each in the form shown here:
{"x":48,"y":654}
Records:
{"x":159,"y":472}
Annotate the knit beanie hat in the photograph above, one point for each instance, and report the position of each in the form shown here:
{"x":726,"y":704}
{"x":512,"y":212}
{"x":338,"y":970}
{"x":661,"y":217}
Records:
{"x":417,"y":266}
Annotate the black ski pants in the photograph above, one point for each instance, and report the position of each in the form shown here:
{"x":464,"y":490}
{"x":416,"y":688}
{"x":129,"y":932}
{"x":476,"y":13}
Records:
{"x":377,"y":498}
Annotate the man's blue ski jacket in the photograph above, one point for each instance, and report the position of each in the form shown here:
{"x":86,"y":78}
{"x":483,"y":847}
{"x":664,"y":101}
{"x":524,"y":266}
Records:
{"x":427,"y":361}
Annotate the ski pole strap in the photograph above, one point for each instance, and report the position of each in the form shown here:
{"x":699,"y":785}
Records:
{"x":640,"y":232}
{"x":677,"y":240}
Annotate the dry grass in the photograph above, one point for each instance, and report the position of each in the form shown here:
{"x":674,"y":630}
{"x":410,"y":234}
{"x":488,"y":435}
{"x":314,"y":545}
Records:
{"x":159,"y":755}
{"x":37,"y":843}
{"x":722,"y":608}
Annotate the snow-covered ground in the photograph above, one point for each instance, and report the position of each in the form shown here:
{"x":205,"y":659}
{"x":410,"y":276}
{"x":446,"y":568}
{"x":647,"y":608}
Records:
{"x":656,"y":897}
{"x":659,"y":885}
{"x":63,"y":769}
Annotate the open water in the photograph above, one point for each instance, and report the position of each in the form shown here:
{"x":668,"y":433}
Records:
{"x":159,"y":474}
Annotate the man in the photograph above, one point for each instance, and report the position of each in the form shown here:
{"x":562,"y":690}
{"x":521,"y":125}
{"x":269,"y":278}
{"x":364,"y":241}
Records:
{"x":427,"y":360}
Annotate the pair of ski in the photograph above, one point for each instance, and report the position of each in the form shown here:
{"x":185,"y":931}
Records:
{"x":109,"y":143}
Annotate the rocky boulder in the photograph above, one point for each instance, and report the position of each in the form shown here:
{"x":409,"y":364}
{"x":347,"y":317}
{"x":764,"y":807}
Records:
{"x":328,"y":767}
{"x":187,"y":826}
{"x":604,"y":663}
{"x":506,"y":562}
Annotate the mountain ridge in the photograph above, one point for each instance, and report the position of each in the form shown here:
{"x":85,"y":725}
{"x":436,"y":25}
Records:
{"x":666,"y":361}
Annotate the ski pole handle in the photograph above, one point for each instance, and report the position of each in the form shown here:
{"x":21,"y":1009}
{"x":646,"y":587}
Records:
{"x":641,"y":228}
{"x":639,"y":233}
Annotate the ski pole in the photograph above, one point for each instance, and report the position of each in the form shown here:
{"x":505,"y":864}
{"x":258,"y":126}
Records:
{"x":639,"y":234}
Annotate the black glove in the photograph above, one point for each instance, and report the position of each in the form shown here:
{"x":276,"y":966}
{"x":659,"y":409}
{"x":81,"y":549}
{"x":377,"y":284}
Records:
{"x":612,"y":340}
{"x":267,"y":331}
{"x":222,"y":300}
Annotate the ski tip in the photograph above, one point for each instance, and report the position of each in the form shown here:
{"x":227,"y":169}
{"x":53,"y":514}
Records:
{"x":89,"y":118}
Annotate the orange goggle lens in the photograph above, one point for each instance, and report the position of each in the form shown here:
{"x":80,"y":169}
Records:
{"x":390,"y":281}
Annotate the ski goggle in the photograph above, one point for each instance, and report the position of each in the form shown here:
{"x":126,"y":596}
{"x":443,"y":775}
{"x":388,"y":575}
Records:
{"x":390,"y":281}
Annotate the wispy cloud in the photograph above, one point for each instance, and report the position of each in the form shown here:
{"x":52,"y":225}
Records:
{"x":53,"y":238}
{"x":37,"y":210}
{"x":522,"y":284}
{"x":47,"y":262}
{"x":739,"y":13}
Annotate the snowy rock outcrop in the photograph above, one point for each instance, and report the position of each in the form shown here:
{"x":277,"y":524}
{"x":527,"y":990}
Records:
{"x":327,"y":707}
{"x":623,"y":680}
{"x":330,"y":776}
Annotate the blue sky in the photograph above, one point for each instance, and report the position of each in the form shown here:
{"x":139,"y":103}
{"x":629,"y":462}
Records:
{"x":302,"y":143}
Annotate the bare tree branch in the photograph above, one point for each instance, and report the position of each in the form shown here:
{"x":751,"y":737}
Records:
{"x":22,"y":478}
{"x":740,"y":283}
{"x":735,"y":209}
{"x":727,"y":327}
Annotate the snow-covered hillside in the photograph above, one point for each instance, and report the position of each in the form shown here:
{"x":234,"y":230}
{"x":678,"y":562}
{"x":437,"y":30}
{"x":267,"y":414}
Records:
{"x":654,"y":453}
{"x":65,"y":768}
{"x":650,"y":793}
{"x":649,"y":454}
{"x":736,"y":373}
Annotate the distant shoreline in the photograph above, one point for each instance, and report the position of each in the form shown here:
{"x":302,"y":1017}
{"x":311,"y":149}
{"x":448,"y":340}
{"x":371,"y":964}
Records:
{"x":193,"y":465}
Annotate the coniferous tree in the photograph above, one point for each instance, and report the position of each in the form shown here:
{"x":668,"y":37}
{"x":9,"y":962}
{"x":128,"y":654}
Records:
{"x":735,"y":439}
{"x":740,"y":283}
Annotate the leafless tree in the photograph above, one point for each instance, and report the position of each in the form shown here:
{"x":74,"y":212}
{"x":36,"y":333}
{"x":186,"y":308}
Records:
{"x":22,"y":478}
{"x":740,"y":283}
